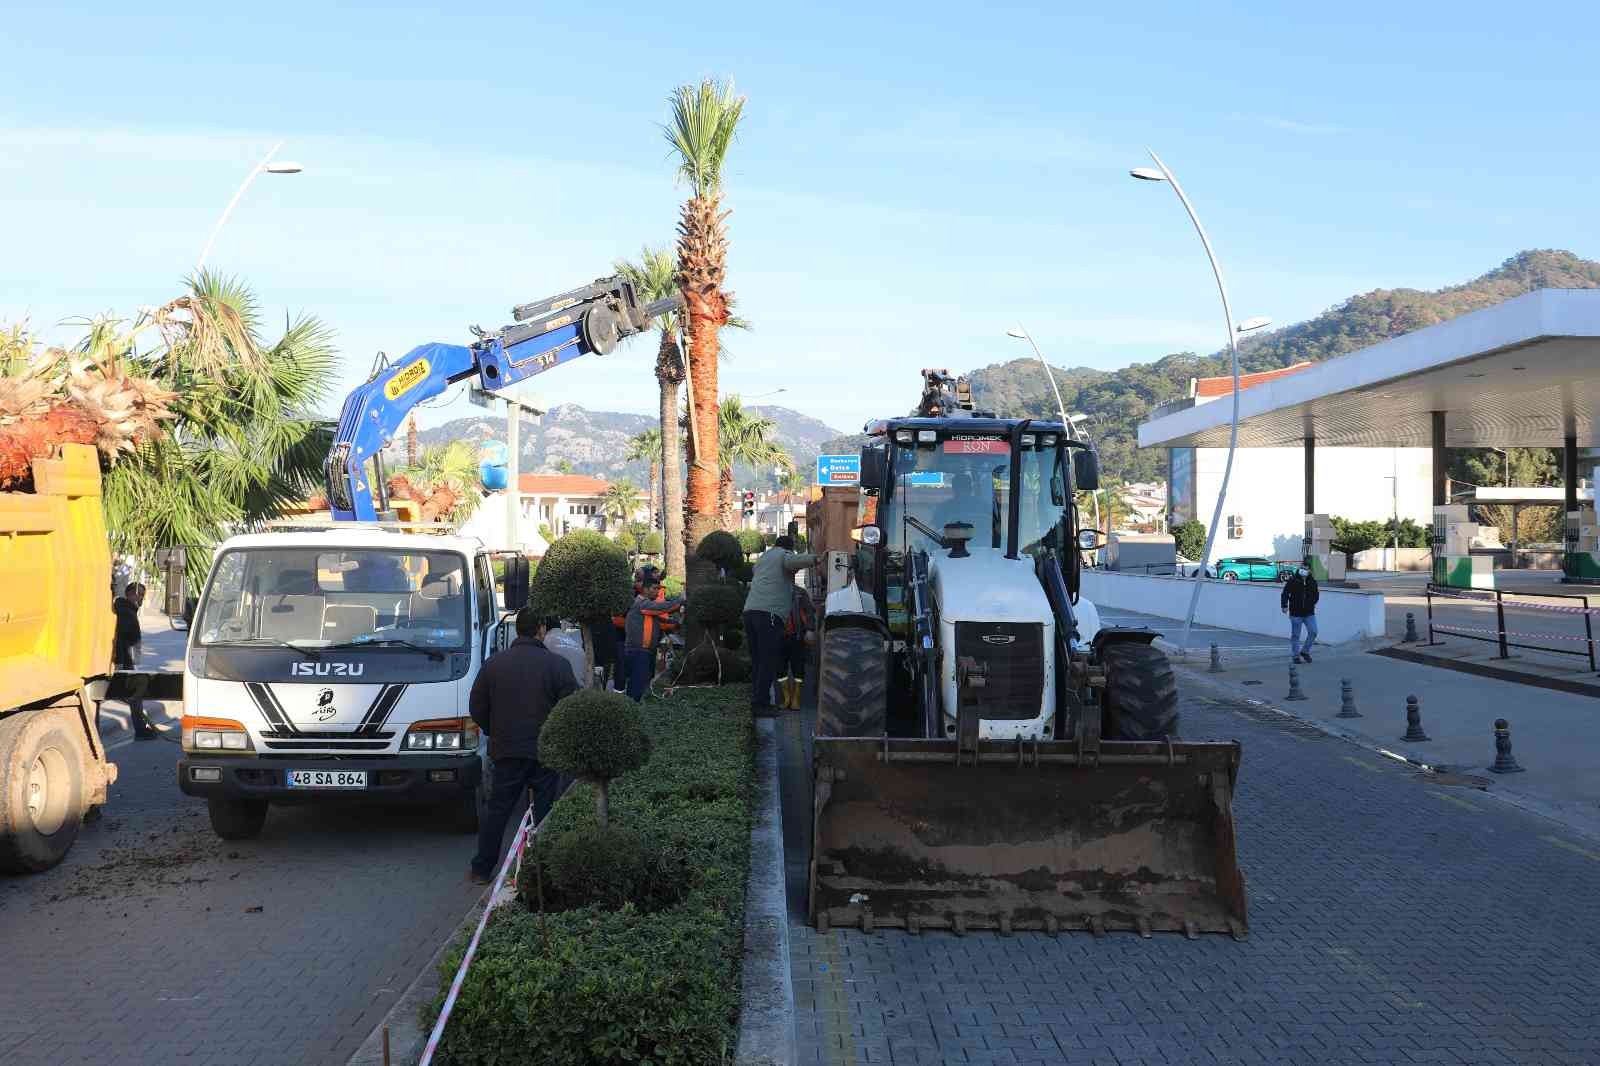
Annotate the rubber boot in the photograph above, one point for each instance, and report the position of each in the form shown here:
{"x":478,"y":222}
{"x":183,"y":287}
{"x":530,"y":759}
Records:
{"x":783,"y":693}
{"x":794,"y":693}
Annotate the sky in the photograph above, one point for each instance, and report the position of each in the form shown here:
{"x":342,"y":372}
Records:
{"x":909,"y":181}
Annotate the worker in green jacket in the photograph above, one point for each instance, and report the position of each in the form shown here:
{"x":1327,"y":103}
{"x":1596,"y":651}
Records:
{"x":765,"y":608}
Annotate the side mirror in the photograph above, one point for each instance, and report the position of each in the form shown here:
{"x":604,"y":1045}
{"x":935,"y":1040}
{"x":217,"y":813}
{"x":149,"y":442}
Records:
{"x":516,"y":582}
{"x":1085,"y":469}
{"x":1088,"y":539}
{"x":874,"y":467}
{"x":871,"y":536}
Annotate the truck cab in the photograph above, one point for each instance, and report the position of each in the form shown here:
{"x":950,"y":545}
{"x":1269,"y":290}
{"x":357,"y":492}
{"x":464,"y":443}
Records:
{"x":335,"y":665}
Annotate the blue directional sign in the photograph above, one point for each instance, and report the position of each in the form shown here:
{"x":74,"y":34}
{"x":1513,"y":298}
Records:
{"x":839,"y":469}
{"x":930,"y":479}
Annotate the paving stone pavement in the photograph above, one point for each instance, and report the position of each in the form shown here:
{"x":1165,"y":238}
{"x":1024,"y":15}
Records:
{"x":1392,"y":920}
{"x":142,"y":947}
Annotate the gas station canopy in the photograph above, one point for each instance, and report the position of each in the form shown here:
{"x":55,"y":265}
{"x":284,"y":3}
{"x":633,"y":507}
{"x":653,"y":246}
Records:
{"x":1524,"y":373}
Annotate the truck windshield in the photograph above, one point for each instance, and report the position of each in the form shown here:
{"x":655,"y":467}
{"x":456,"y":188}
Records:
{"x":968,"y":480}
{"x":314,"y":597}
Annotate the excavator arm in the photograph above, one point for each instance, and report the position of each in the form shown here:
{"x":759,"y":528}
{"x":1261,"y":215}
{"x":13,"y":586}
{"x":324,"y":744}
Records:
{"x":544,"y":335}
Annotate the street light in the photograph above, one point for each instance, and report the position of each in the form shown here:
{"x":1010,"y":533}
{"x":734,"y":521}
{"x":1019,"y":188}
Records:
{"x":266,"y":166}
{"x":1161,"y":173}
{"x":1507,"y":454}
{"x":764,"y":395}
{"x":1069,"y":423}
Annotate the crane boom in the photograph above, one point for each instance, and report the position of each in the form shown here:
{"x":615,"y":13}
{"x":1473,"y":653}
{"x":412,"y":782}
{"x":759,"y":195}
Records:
{"x":545,"y":334}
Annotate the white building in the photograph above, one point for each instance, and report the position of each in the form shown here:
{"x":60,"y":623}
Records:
{"x":1264,"y":513}
{"x":559,"y":503}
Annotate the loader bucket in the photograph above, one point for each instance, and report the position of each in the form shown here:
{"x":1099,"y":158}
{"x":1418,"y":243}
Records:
{"x":1029,"y":835}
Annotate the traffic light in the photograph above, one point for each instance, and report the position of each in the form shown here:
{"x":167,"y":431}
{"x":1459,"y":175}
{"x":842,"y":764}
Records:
{"x":749,"y":503}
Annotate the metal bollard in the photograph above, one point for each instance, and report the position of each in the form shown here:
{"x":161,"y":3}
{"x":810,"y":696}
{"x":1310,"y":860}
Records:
{"x":1411,"y":636}
{"x":1504,"y":761}
{"x":1294,"y":685}
{"x":1216,"y":660}
{"x":1347,"y":700}
{"x":1414,"y":731}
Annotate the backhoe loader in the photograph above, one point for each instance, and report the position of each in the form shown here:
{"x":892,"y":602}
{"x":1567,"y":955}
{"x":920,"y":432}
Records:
{"x":987,"y":754}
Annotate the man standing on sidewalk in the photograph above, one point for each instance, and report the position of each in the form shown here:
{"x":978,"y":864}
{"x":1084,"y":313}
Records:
{"x":1300,"y":604}
{"x":511,"y":698}
{"x":124,"y":651}
{"x":771,"y":597}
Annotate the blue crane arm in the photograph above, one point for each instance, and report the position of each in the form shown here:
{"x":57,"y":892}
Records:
{"x":546,"y":334}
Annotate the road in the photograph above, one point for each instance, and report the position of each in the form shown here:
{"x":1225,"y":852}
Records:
{"x":1392,"y":920}
{"x":154,"y":941}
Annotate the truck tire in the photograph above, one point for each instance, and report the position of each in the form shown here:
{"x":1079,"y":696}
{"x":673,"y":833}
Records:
{"x":43,"y":795}
{"x":237,"y":819}
{"x":852,"y":684}
{"x":1141,"y":701}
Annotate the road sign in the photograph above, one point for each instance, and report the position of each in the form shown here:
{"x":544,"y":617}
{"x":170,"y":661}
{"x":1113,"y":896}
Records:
{"x":838,"y":469}
{"x":931,"y":479}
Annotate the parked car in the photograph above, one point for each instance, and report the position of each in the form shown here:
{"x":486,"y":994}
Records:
{"x":1253,"y":568}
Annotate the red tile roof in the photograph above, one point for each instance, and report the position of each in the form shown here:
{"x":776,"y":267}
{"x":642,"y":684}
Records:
{"x":562,"y":485}
{"x":1222,"y":386}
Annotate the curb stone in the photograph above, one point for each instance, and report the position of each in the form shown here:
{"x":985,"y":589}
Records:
{"x":766,"y":998}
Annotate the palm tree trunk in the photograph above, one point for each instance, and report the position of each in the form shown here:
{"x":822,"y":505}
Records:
{"x":727,"y":507}
{"x":706,"y":313}
{"x":655,"y":492}
{"x":671,"y":466}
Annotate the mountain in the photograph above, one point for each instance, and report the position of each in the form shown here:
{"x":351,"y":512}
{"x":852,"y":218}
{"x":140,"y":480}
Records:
{"x":594,"y":442}
{"x":1117,"y":401}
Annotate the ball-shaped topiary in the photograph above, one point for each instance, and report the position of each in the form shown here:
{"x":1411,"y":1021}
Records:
{"x":583,"y":576}
{"x":721,"y":549}
{"x":595,"y":736}
{"x":751,"y":542}
{"x":716,"y":605}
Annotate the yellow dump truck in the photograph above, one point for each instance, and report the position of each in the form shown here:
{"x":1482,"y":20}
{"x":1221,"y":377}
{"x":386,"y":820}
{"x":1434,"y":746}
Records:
{"x":56,"y":629}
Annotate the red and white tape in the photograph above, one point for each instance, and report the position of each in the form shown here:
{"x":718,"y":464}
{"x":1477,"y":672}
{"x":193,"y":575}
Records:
{"x":1495,"y":632}
{"x":1488,"y":601}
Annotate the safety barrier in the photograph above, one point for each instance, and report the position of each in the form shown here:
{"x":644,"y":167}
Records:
{"x":1251,"y":606}
{"x":1500,"y":635}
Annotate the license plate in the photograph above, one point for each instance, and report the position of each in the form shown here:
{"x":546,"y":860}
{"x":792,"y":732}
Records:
{"x":327,"y":779}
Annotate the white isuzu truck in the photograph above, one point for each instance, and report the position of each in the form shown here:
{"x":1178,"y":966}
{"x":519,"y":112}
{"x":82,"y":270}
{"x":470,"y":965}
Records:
{"x":334,"y":664}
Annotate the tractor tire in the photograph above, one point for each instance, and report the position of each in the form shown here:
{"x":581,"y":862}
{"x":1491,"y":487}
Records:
{"x":852,"y":685}
{"x":1141,"y":695}
{"x":43,"y":794}
{"x":236,"y":819}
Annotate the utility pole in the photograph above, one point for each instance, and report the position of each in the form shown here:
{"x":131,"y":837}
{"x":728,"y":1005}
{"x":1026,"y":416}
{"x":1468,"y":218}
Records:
{"x":513,"y":475}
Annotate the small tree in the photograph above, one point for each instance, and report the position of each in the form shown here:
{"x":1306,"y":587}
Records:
{"x":595,"y":736}
{"x":751,"y":542}
{"x":1190,"y":537}
{"x":721,"y":550}
{"x":652,"y":543}
{"x":585,"y":577}
{"x":627,"y":543}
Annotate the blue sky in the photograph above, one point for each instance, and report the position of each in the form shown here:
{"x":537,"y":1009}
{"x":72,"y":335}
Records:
{"x":910,"y":180}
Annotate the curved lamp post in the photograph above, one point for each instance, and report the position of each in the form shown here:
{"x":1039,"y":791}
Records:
{"x":266,"y":166}
{"x":1071,"y":424}
{"x":1161,"y":173}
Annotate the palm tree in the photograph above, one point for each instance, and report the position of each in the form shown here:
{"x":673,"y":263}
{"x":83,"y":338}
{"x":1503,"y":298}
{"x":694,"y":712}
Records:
{"x":655,"y":277}
{"x":646,"y":445}
{"x":621,"y":501}
{"x":704,"y":118}
{"x":745,"y":438}
{"x":453,"y":467}
{"x":794,"y":482}
{"x":244,"y":444}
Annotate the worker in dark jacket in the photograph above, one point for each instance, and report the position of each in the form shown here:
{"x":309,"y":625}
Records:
{"x":511,"y":698}
{"x":1300,"y":604}
{"x":648,"y":620}
{"x":124,"y":647}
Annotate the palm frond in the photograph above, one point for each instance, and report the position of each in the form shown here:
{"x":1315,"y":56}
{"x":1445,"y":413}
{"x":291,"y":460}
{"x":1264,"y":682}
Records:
{"x":704,"y":118}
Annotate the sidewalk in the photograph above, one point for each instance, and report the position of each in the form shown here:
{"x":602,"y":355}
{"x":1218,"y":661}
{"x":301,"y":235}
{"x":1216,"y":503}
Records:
{"x":163,"y":652}
{"x":1553,"y":733}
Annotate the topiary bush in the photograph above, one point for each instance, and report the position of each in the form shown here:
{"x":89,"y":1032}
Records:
{"x":716,"y":606}
{"x":722,"y":550}
{"x":751,"y":542}
{"x":595,"y":736}
{"x":708,"y":664}
{"x":586,"y":577}
{"x":609,"y":867}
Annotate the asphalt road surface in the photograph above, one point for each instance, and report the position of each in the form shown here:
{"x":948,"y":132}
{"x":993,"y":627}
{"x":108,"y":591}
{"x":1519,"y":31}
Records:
{"x":1392,"y":919}
{"x":155,"y":941}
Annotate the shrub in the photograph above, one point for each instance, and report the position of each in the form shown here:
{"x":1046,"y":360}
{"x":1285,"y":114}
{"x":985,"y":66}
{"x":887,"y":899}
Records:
{"x":609,"y":867}
{"x":1190,"y":537}
{"x":722,"y":550}
{"x":626,"y":542}
{"x":586,"y":577}
{"x":651,"y":543}
{"x":716,"y":606}
{"x":707,"y":664}
{"x":673,"y":586}
{"x":595,"y":736}
{"x":588,"y":985}
{"x":751,"y":542}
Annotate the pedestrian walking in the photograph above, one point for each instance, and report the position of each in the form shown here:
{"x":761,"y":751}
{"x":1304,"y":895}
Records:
{"x":801,"y":621}
{"x":511,"y":698}
{"x":765,"y":608}
{"x":648,"y":621}
{"x":1300,"y":604}
{"x":126,"y":644}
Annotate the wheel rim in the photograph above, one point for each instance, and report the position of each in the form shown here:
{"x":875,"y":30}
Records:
{"x":47,"y":788}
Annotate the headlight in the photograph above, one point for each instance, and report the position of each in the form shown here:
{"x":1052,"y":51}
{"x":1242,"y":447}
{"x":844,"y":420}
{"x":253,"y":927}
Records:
{"x":214,"y":734}
{"x":442,"y":734}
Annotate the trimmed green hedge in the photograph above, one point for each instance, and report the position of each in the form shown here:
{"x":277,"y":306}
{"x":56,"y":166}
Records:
{"x":593,"y":985}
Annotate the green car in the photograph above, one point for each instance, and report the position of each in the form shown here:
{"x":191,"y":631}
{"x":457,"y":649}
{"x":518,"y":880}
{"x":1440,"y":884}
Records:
{"x":1252,"y":568}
